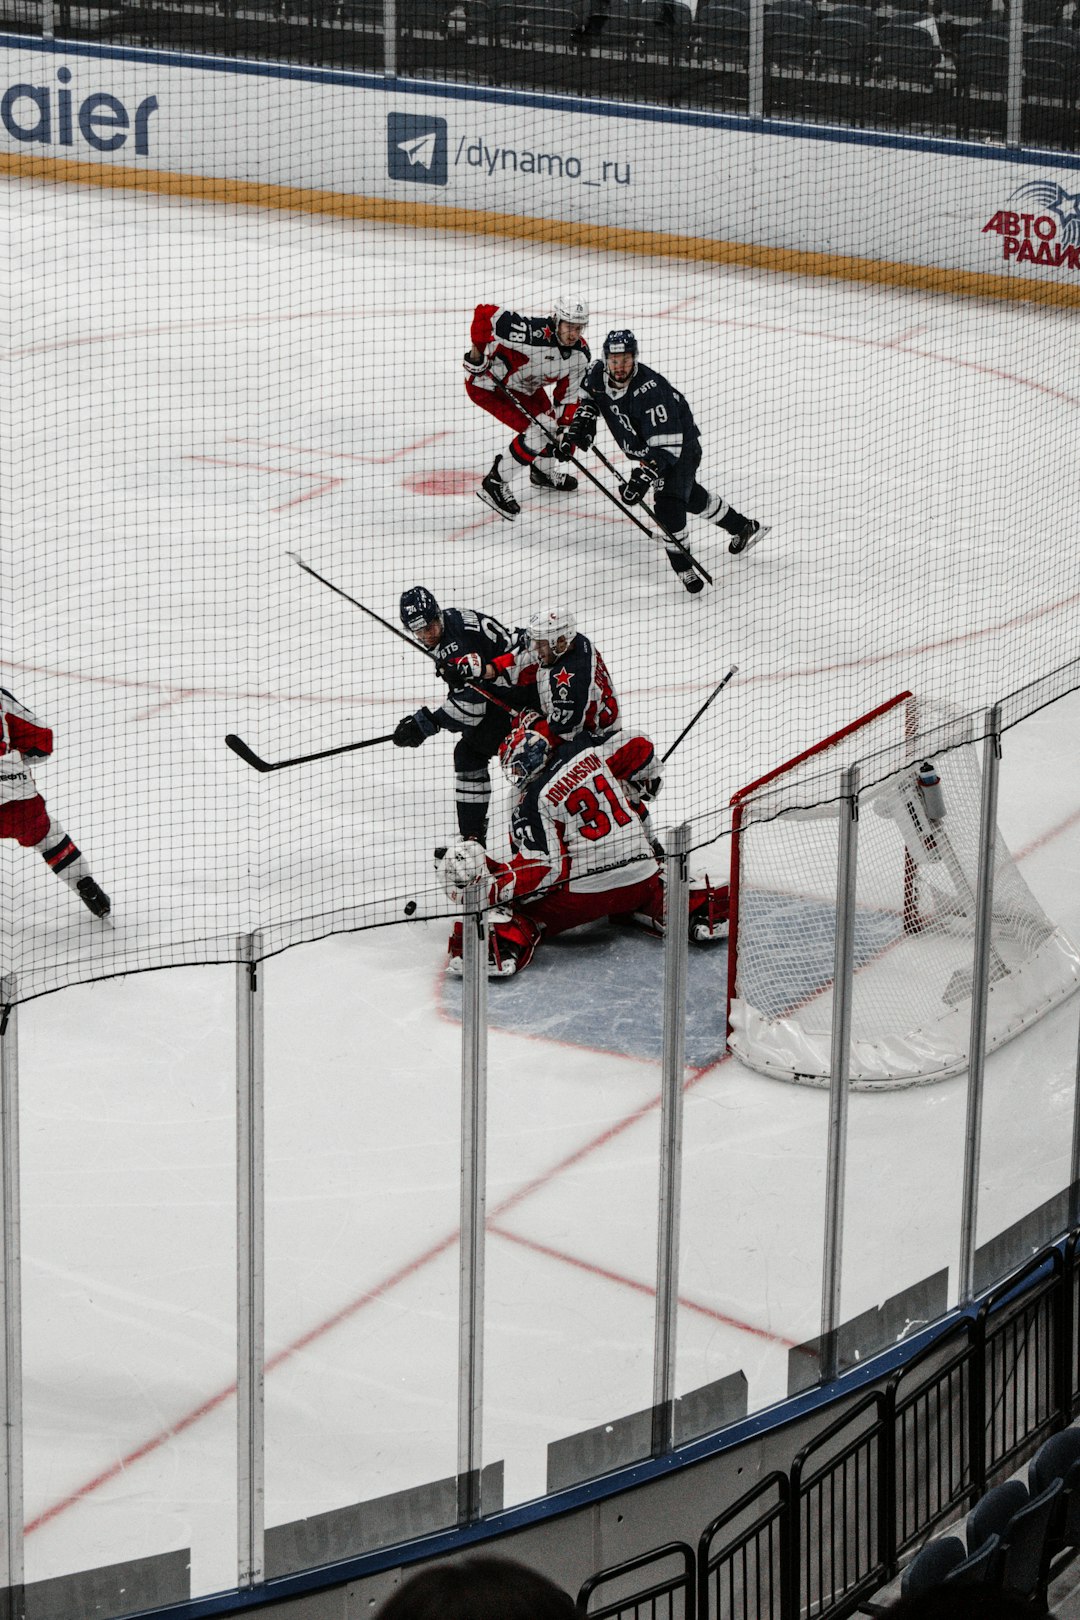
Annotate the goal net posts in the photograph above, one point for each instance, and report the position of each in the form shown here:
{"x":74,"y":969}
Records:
{"x":919,"y":790}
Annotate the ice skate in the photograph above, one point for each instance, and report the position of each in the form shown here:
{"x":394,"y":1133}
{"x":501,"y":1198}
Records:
{"x":748,"y":536}
{"x":552,"y":476}
{"x":93,"y":897}
{"x":495,"y":492}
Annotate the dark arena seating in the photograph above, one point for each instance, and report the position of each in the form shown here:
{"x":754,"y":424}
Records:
{"x":919,"y":66}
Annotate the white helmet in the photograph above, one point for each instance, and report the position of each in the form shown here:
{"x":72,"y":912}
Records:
{"x":552,"y":624}
{"x":572,"y":307}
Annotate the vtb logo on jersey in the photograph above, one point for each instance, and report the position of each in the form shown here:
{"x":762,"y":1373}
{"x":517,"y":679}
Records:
{"x":416,"y":148}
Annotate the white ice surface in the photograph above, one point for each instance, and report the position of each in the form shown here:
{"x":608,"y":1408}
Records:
{"x":185,"y":375}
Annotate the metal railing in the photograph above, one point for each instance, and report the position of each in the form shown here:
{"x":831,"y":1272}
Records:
{"x":818,"y":1539}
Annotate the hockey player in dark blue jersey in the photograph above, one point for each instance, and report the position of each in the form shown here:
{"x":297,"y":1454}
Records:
{"x":654,"y":426}
{"x":468,"y":647}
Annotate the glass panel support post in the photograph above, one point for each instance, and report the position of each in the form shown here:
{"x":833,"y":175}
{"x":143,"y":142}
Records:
{"x":676,"y":949}
{"x":1014,"y":78}
{"x":839,"y":1067}
{"x":11,"y":1452}
{"x":390,"y":40}
{"x":1074,"y":1163}
{"x":755,"y":68}
{"x":980,"y":992}
{"x":474,"y":986}
{"x":250,"y":1265}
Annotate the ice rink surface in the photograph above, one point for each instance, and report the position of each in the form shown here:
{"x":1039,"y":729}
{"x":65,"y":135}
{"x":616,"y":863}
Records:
{"x":199,"y":391}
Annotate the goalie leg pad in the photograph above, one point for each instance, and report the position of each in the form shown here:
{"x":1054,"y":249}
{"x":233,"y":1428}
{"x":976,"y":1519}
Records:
{"x":709,"y":912}
{"x":512,"y":942}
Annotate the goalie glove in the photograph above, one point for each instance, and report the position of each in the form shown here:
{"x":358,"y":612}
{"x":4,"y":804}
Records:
{"x":460,"y":668}
{"x":464,"y":863}
{"x":415,"y":729}
{"x":640,"y":482}
{"x":579,"y":432}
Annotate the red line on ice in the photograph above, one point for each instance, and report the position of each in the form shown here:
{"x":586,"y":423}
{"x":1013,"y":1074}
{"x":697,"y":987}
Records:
{"x":638,"y":1287}
{"x":343,"y":455}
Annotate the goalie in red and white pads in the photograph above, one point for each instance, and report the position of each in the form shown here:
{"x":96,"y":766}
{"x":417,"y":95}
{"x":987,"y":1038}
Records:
{"x":580,"y":851}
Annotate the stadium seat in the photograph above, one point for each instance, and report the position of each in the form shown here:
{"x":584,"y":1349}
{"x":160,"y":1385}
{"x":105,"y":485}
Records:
{"x":982,"y":58}
{"x":930,"y":1565}
{"x":1052,"y":69}
{"x":612,"y":25}
{"x":423,"y":16}
{"x":992,"y":1512}
{"x":789,"y":33}
{"x":1055,"y":1459}
{"x":980,"y":1568}
{"x":907,"y":54}
{"x":845,"y":42}
{"x":552,"y":23}
{"x":1024,"y":1543}
{"x":724,"y":35}
{"x":1059,"y":1459}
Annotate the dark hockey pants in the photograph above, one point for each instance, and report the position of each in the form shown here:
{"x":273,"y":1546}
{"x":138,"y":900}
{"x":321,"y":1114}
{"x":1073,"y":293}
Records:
{"x":473,"y":754}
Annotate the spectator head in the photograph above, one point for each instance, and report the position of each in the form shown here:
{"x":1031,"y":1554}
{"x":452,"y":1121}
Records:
{"x":479,"y":1589}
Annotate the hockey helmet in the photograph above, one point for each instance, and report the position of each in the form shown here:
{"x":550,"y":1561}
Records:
{"x":552,"y":624}
{"x":571,"y":307}
{"x":621,"y":342}
{"x":523,"y":755}
{"x":418,"y":608}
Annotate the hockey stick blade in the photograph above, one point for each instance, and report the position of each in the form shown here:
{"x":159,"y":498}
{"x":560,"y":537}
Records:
{"x":240,"y":747}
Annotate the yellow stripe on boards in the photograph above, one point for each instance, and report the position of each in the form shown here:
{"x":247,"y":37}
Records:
{"x":522,"y":228}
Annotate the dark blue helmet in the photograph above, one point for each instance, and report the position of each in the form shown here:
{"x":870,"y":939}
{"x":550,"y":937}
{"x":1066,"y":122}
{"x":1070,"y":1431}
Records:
{"x":621,"y":342}
{"x":418,"y":608}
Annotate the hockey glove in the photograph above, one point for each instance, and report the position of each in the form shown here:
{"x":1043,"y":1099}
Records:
{"x":459,"y":669}
{"x":578,"y":434}
{"x":639,"y":484}
{"x":475,"y":368}
{"x":415,"y":729}
{"x":33,"y":753}
{"x":462,"y":864}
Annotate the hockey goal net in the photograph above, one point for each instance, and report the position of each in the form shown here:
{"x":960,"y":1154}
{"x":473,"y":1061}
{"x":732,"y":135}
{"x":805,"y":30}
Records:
{"x":916,"y":876}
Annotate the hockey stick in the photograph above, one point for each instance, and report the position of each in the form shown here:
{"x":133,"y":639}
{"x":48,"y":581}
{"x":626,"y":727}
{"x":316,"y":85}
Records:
{"x":239,"y":746}
{"x":598,"y":483}
{"x":714,"y":693}
{"x":394,"y":631}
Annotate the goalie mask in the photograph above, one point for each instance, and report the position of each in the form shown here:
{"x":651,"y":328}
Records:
{"x":523,"y":755}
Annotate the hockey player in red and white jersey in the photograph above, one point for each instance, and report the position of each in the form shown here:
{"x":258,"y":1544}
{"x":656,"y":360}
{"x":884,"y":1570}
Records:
{"x":23,"y":813}
{"x":574,"y":693}
{"x":579,"y":852}
{"x":526,"y":370}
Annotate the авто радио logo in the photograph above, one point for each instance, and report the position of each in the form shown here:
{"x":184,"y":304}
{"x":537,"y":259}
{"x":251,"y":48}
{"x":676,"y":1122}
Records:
{"x":1049,"y":236}
{"x":416,"y":148}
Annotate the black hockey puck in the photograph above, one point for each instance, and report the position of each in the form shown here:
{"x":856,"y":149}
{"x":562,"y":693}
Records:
{"x":410,"y":907}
